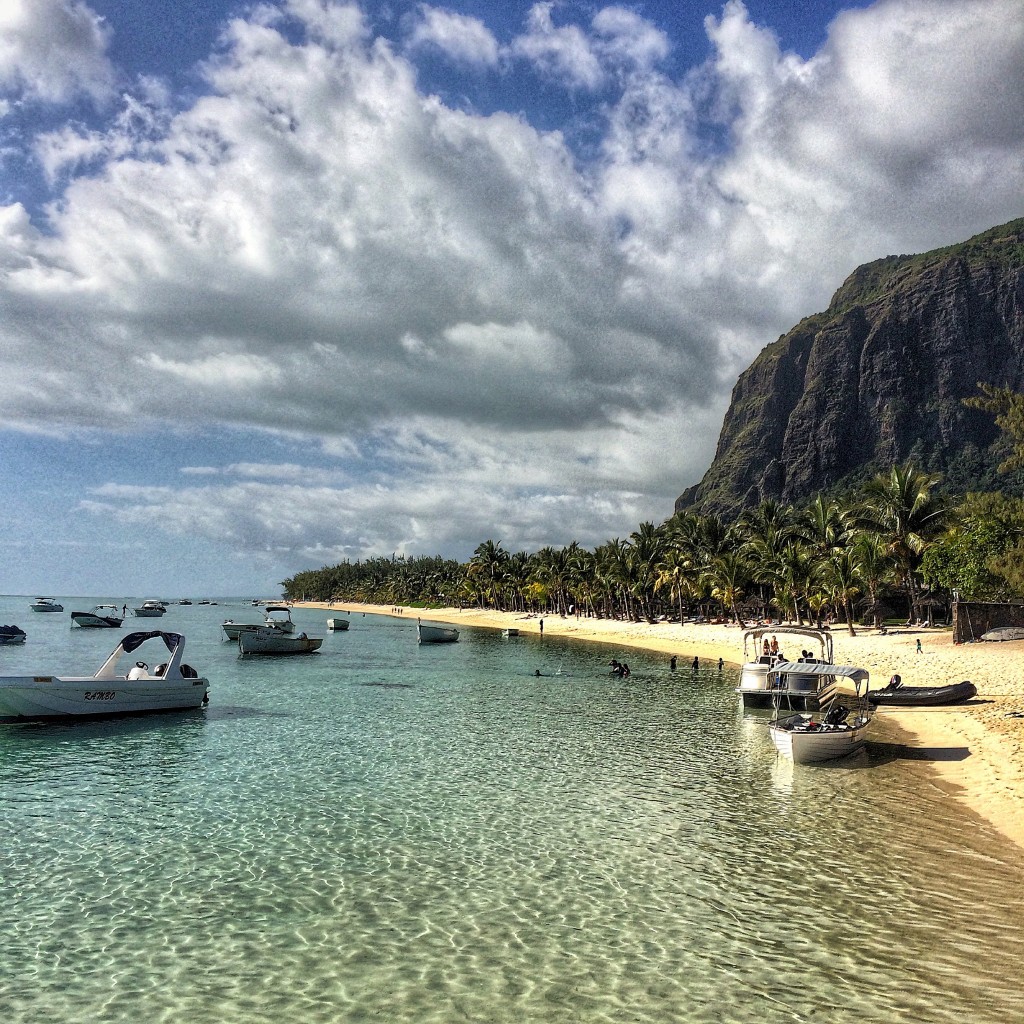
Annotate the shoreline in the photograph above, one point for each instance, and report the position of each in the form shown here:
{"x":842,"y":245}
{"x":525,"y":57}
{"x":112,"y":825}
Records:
{"x":976,"y":749}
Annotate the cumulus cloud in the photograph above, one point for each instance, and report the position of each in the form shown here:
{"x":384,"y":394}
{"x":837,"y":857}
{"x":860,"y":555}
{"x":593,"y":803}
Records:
{"x":53,"y":50}
{"x":459,"y":36}
{"x":488,"y":333}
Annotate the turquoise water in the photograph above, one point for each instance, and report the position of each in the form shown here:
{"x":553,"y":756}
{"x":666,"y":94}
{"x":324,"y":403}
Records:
{"x":394,"y":833}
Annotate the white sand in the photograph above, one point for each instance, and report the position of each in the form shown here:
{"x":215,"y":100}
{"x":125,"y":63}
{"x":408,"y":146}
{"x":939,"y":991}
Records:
{"x":977,"y":748}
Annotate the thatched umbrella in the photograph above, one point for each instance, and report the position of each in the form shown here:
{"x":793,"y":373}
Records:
{"x":927,"y":603}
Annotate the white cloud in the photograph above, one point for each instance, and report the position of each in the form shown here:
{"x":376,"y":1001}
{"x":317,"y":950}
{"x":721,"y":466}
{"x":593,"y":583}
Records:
{"x":459,"y":36}
{"x":485,"y":334}
{"x":53,"y":50}
{"x":565,"y":53}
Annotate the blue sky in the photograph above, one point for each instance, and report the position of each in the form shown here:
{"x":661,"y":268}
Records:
{"x":286,"y":283}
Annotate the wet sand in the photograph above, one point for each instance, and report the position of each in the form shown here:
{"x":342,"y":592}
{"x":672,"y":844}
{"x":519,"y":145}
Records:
{"x":976,"y":749}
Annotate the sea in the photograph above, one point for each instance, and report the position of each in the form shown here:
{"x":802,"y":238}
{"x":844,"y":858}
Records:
{"x":391,"y":832}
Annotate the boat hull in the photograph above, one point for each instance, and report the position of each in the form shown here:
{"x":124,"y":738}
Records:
{"x":338,"y":625}
{"x":148,"y":613}
{"x":826,"y":743}
{"x":31,"y":697}
{"x":89,"y":620}
{"x":799,"y":692}
{"x":273,"y":641}
{"x":233,"y":630}
{"x":436,"y":634}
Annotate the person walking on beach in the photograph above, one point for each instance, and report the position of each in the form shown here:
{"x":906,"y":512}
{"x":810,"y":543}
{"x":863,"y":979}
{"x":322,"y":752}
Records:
{"x":541,"y":627}
{"x":919,"y":649}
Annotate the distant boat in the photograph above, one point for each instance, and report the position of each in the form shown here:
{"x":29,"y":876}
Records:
{"x":337,"y":625}
{"x":277,"y":616}
{"x":46,"y":604}
{"x":184,"y":600}
{"x":11,"y":635}
{"x":171,"y":686}
{"x":150,"y":610}
{"x":273,"y":641}
{"x":103,"y":616}
{"x":509,"y":632}
{"x":436,"y":634}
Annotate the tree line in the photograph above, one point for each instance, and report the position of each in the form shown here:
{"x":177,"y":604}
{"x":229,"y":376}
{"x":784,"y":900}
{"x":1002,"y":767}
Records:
{"x":897,"y":546}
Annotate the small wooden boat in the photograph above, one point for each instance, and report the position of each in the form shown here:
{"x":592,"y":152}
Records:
{"x":337,"y":624}
{"x":274,"y":641}
{"x":436,"y":634}
{"x":898,"y":696}
{"x":11,"y":635}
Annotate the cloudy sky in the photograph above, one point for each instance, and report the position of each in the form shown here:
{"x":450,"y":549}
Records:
{"x":290,"y":282}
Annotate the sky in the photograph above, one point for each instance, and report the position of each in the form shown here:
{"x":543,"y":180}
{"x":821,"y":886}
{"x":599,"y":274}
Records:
{"x":288,"y":283}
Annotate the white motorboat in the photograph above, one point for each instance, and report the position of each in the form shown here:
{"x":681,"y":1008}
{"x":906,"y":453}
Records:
{"x":759,"y":683}
{"x":150,"y":610}
{"x":511,"y":631}
{"x":337,"y":624}
{"x":277,"y":616}
{"x":436,"y":634}
{"x":103,"y":616}
{"x":11,"y":635}
{"x":46,"y":604}
{"x":274,"y":641}
{"x":171,"y":686}
{"x":837,"y":729}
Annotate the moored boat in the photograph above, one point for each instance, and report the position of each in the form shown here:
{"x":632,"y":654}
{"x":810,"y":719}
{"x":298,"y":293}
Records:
{"x":803,"y":686}
{"x":277,"y":616}
{"x":837,"y":730}
{"x":273,"y":641}
{"x":427,"y":634}
{"x":895,"y":695}
{"x":103,"y":616}
{"x":338,"y":625}
{"x":46,"y":604}
{"x":511,"y":631}
{"x":171,"y":686}
{"x":150,"y":610}
{"x":11,"y":635}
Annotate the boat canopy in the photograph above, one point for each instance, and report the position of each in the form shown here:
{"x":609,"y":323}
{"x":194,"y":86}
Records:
{"x":817,"y":668}
{"x":135,"y":640}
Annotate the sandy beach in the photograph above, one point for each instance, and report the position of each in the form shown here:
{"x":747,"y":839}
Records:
{"x":976,"y":749}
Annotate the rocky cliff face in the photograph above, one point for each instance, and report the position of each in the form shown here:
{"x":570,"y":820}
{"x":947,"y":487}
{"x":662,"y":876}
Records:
{"x":879,"y":377}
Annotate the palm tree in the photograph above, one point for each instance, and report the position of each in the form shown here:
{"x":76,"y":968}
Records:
{"x":840,"y":577}
{"x":902,"y":510}
{"x":729,"y":573}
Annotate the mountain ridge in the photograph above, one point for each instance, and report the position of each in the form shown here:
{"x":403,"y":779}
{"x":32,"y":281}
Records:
{"x":880,"y":377}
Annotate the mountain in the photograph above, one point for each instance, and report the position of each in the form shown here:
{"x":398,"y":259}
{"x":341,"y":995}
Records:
{"x":878,"y":378}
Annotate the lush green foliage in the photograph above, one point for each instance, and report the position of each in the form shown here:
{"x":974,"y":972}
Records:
{"x":847,"y":559}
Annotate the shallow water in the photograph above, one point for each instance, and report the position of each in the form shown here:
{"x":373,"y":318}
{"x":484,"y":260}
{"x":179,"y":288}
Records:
{"x":389,"y":832}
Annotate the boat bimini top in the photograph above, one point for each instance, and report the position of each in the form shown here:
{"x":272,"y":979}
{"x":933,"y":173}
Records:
{"x":817,"y":668}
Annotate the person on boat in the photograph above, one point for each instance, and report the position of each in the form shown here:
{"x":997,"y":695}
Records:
{"x":766,"y":651}
{"x":774,"y":647}
{"x":139,"y":670}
